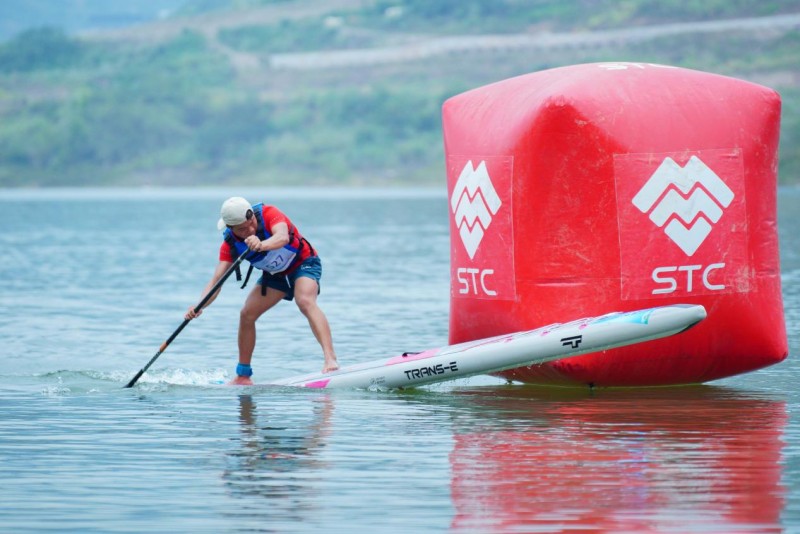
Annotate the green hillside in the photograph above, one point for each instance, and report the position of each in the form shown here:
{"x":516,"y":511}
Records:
{"x":233,"y":91}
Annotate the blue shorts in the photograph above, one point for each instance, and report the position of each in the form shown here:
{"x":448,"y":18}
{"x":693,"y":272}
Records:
{"x":310,"y":268}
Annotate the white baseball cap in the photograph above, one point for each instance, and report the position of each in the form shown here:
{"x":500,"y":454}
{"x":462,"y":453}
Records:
{"x":233,"y":212}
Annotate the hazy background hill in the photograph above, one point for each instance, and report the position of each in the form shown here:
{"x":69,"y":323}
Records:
{"x":177,"y":92}
{"x":75,"y":15}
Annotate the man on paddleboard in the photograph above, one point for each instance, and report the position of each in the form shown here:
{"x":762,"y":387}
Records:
{"x":290,"y":269}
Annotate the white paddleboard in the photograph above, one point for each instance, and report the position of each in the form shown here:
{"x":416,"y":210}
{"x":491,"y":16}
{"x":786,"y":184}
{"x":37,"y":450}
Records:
{"x":484,"y":356}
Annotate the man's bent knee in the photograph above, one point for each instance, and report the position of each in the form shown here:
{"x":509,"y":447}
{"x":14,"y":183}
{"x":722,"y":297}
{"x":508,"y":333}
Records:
{"x":306,"y":303}
{"x":249,"y":315}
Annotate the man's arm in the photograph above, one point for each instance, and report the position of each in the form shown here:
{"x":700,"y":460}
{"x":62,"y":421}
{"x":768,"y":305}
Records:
{"x":278,"y":239}
{"x":222,"y":268}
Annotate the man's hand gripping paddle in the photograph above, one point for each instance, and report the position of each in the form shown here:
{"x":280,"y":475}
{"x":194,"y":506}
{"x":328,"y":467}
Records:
{"x":197,"y":308}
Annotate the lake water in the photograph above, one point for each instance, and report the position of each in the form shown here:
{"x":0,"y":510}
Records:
{"x":93,"y":282}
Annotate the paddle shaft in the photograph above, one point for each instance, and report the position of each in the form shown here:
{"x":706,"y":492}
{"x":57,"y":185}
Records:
{"x":197,"y":308}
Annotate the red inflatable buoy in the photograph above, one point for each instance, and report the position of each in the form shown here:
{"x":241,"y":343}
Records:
{"x":604,"y":187}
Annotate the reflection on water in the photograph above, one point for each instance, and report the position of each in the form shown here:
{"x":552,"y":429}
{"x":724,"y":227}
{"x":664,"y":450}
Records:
{"x":274,"y":458}
{"x":518,"y":459}
{"x":619,"y":461}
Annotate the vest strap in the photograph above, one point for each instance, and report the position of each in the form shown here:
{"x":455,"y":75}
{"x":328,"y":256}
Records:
{"x":234,"y":256}
{"x":246,"y":278}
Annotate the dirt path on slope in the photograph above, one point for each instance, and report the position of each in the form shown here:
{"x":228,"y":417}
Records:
{"x":415,"y":48}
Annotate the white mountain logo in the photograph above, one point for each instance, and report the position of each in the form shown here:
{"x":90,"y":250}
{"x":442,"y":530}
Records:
{"x":474,"y":202}
{"x":687,"y":199}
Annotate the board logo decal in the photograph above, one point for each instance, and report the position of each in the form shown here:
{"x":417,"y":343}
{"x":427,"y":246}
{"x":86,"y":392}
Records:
{"x":432,"y":370}
{"x":572,"y":341}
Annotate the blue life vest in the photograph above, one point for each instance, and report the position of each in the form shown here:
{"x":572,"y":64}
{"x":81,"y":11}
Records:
{"x":273,"y":261}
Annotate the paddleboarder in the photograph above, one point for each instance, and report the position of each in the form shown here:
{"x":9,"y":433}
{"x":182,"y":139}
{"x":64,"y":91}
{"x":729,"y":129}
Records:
{"x":290,"y":267}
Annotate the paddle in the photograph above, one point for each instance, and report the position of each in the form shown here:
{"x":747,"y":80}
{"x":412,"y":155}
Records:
{"x":197,"y":308}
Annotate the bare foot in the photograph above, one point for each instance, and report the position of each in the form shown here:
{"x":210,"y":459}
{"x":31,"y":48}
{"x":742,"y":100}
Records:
{"x":330,"y":365}
{"x":241,"y":381}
